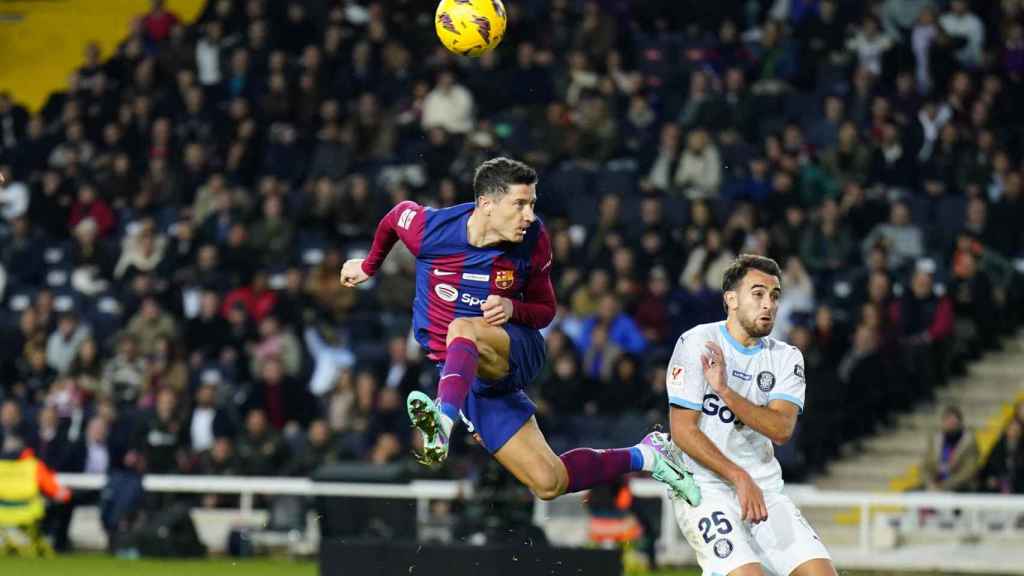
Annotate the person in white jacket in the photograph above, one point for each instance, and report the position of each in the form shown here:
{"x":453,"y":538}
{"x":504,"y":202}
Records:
{"x":700,"y":171}
{"x":449,"y":105}
{"x":959,"y":22}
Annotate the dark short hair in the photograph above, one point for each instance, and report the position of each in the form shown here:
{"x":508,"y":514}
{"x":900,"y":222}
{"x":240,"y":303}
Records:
{"x":495,"y":176}
{"x":745,"y":262}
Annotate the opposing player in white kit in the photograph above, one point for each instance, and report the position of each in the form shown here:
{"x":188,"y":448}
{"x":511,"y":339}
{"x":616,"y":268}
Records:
{"x":733,"y":392}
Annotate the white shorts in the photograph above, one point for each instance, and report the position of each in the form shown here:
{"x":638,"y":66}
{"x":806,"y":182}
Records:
{"x":723,"y":542}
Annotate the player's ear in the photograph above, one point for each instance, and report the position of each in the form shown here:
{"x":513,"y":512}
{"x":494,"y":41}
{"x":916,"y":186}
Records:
{"x":730,"y":300}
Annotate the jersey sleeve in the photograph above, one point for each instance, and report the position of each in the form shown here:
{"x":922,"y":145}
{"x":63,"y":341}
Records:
{"x":404,"y":222}
{"x":685,"y":382}
{"x":537,"y":308}
{"x":791,"y":386}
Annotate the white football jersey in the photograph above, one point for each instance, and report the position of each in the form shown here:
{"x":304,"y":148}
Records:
{"x":771,"y":370}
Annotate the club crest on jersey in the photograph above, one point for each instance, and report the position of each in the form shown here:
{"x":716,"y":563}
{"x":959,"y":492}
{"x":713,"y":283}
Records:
{"x":766,"y":381}
{"x":723,"y":547}
{"x":504,"y":279}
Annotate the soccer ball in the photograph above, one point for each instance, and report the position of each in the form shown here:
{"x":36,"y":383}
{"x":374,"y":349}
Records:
{"x":470,"y":27}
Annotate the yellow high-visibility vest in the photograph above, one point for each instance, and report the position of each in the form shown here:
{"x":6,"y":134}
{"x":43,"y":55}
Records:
{"x":20,"y":501}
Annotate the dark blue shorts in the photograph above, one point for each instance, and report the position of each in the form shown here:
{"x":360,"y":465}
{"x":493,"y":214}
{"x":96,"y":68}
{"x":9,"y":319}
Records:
{"x":498,"y":409}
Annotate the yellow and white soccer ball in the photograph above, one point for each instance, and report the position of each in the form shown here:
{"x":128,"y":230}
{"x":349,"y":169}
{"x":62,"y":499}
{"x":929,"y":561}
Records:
{"x":470,"y":27}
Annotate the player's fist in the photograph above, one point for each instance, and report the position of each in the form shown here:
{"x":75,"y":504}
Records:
{"x":497,"y":310}
{"x":352,"y":273}
{"x":713,"y":363}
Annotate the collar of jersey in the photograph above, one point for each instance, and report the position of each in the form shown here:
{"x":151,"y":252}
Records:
{"x":736,"y":343}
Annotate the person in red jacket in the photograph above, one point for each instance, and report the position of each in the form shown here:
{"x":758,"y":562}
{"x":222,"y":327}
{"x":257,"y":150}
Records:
{"x":89,"y":205}
{"x":158,"y":22}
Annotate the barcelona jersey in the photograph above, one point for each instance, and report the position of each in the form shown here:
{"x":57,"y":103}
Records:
{"x":453,"y":278}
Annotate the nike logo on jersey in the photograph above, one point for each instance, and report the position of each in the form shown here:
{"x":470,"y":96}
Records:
{"x":442,"y":273}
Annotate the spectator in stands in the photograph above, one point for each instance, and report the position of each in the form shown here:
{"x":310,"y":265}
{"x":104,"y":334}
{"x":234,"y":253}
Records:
{"x":158,"y":22}
{"x":320,"y":449}
{"x":165,"y":438}
{"x":925,"y":321}
{"x":260,"y":450}
{"x":620,"y":327}
{"x":276,"y":343}
{"x":1004,"y":470}
{"x":902,"y":239}
{"x":870,"y":44}
{"x":34,"y":375}
{"x":150,"y":325}
{"x":388,"y":422}
{"x":87,"y":369}
{"x":449,"y":105}
{"x":961,"y":23}
{"x":207,"y":333}
{"x":166,"y":369}
{"x":63,"y":344}
{"x":207,"y":422}
{"x":142,"y":251}
{"x":124,"y":374}
{"x":327,"y":294}
{"x":705,"y":267}
{"x":220,"y":460}
{"x":952,"y":460}
{"x":15,"y":432}
{"x":700,"y":171}
{"x":600,"y":356}
{"x":89,"y":205}
{"x":797,"y":300}
{"x":826,"y":246}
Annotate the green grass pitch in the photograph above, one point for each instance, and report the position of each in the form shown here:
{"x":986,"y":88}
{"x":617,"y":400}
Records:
{"x":97,"y":565}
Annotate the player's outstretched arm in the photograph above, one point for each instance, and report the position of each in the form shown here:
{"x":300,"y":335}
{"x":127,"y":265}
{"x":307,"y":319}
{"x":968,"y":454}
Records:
{"x":777,"y":420}
{"x":687,"y":435}
{"x":404,"y":222}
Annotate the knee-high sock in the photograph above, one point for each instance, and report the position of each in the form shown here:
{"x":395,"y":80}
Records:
{"x":457,"y":376}
{"x":588,"y":467}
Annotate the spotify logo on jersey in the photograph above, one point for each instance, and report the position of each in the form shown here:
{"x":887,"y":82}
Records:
{"x":446,"y":292}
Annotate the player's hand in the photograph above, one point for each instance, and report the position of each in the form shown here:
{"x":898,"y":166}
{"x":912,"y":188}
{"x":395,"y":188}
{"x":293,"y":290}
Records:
{"x":752,"y":506}
{"x":352,"y":273}
{"x":713,"y":362}
{"x":497,"y":310}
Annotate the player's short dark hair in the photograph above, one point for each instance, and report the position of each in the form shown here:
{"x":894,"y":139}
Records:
{"x":736,"y":271}
{"x":495,"y":176}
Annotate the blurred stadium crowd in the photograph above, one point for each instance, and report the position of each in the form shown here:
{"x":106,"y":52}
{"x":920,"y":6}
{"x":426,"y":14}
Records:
{"x":174,"y":221}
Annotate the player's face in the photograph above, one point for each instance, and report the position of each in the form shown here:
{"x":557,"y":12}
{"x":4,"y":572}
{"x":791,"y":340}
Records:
{"x":513,"y":213}
{"x":756,"y":302}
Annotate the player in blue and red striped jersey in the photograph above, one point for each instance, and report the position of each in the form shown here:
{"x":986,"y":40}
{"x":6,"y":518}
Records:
{"x":483,"y":292}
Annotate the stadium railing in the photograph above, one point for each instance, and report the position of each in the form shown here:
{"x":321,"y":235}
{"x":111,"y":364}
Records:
{"x":673,"y":548}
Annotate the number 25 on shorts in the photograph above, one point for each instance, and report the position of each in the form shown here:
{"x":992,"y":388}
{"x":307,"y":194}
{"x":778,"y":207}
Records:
{"x":718,"y":521}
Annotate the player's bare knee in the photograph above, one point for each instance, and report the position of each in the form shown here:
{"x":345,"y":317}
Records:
{"x":551,"y":482}
{"x":461,"y":328}
{"x":547,"y":489}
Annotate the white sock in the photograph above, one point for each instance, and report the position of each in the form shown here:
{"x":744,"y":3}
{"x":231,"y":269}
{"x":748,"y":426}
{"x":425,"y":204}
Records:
{"x":650,"y":456}
{"x":447,"y":424}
